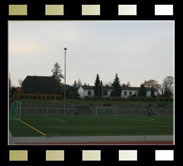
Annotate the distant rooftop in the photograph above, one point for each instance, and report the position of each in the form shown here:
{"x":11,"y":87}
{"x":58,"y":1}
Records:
{"x":40,"y":84}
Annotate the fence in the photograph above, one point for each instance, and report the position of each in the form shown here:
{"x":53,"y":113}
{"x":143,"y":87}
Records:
{"x":114,"y":111}
{"x":48,"y":110}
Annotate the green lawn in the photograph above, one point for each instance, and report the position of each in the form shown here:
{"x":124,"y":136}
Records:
{"x":92,"y":125}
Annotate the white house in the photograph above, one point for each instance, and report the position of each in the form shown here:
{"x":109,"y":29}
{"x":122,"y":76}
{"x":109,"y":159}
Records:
{"x":148,"y":92}
{"x":88,"y":91}
{"x":129,"y":91}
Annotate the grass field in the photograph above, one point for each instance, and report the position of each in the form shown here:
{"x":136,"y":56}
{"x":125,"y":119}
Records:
{"x":91,"y":125}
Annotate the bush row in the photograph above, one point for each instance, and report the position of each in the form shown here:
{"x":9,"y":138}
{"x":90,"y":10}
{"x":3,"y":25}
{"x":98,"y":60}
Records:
{"x":128,"y":99}
{"x":37,"y":96}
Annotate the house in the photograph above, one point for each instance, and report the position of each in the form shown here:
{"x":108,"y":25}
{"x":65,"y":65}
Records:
{"x":88,"y":91}
{"x":129,"y":91}
{"x":40,"y":84}
{"x":84,"y":91}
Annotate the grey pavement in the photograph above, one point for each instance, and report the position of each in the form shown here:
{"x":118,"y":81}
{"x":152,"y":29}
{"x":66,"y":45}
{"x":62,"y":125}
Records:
{"x":87,"y":139}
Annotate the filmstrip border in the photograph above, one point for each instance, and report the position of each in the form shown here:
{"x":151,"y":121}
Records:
{"x":16,"y":11}
{"x":91,"y":155}
{"x":90,"y":10}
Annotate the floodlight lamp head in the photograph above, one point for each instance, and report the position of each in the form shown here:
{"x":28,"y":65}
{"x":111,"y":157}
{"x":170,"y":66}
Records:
{"x":65,"y":49}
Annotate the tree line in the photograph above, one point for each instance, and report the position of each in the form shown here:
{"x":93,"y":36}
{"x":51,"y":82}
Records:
{"x":164,"y":89}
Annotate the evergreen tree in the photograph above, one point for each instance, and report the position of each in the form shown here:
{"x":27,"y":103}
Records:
{"x":98,"y":86}
{"x":142,"y":91}
{"x":75,"y":84}
{"x":116,"y":91}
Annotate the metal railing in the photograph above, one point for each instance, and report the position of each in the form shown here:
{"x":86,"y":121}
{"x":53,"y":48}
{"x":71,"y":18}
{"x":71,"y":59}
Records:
{"x":96,"y":111}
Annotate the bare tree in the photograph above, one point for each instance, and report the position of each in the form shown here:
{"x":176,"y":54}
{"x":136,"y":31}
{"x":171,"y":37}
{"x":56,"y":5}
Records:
{"x":167,"y":84}
{"x":79,"y":83}
{"x":128,"y":84}
{"x":152,"y":84}
{"x":20,"y":82}
{"x":57,"y":72}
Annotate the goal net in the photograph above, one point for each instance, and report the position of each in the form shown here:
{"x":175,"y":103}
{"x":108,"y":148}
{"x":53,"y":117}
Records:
{"x":15,"y":110}
{"x":99,"y":110}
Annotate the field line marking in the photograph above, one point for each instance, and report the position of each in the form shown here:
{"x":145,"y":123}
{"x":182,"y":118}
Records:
{"x":58,"y":119}
{"x":32,"y":128}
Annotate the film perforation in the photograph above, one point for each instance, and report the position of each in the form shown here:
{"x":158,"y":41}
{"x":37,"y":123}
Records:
{"x":122,"y":9}
{"x":100,"y":135}
{"x":92,"y":155}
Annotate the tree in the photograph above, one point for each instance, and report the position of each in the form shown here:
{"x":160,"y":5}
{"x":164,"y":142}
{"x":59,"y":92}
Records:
{"x":57,"y":72}
{"x":128,"y":84}
{"x":142,"y":91}
{"x":116,"y":87}
{"x":75,"y":84}
{"x":10,"y":84}
{"x":20,"y":82}
{"x":72,"y":92}
{"x":152,"y":84}
{"x":152,"y":92}
{"x":167,"y":93}
{"x":123,"y":85}
{"x":79,"y":83}
{"x":167,"y":87}
{"x":98,"y":86}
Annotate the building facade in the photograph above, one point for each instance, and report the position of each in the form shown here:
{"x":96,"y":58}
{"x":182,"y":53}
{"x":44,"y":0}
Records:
{"x":88,"y":91}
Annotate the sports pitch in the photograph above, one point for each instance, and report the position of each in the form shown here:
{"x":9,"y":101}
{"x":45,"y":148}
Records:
{"x":59,"y":125}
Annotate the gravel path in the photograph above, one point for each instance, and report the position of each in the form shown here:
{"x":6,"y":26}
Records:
{"x":91,"y":140}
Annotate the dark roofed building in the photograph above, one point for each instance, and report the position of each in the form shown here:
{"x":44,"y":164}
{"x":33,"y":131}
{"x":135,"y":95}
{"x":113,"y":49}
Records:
{"x":40,"y":84}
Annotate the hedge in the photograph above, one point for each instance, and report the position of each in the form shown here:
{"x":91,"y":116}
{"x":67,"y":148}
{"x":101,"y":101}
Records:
{"x":37,"y":96}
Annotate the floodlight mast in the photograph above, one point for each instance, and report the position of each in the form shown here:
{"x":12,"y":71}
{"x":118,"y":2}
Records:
{"x":65,"y":49}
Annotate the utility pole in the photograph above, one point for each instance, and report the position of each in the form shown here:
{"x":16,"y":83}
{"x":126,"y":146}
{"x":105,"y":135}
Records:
{"x":65,"y":49}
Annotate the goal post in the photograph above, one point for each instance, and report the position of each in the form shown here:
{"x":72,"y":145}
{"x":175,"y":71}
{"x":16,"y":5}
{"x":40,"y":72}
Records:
{"x":15,"y":110}
{"x":106,"y":111}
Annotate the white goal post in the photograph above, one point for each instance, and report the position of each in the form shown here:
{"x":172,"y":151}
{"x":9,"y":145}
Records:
{"x":15,"y":110}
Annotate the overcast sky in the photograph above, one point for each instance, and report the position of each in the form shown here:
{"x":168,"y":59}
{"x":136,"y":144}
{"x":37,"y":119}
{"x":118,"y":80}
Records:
{"x":136,"y":50}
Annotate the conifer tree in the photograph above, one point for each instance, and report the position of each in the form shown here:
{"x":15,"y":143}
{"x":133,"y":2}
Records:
{"x":98,"y":86}
{"x":116,"y":91}
{"x":142,"y":91}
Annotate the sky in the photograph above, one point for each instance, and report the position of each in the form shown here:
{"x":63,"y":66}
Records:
{"x":135,"y":50}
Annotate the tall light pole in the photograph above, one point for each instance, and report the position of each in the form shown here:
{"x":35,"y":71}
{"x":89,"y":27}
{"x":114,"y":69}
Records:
{"x":65,"y":49}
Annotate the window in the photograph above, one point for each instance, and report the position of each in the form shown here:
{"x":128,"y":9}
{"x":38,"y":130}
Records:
{"x":125,"y":93}
{"x":130,"y":93}
{"x":89,"y":93}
